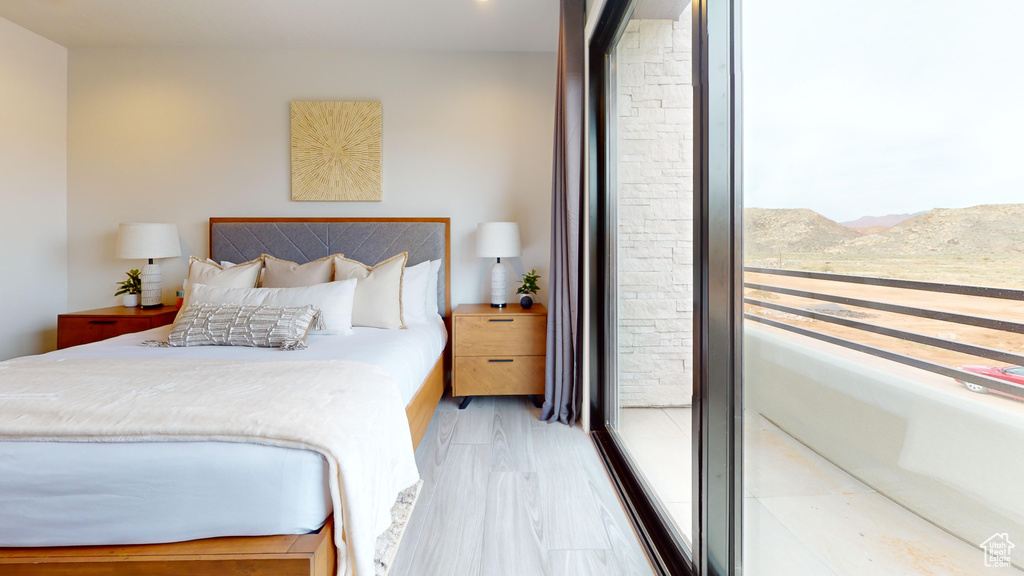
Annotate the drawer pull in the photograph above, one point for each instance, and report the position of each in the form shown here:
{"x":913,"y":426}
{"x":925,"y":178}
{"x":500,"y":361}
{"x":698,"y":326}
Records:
{"x":102,"y":321}
{"x":500,"y":319}
{"x":504,"y":360}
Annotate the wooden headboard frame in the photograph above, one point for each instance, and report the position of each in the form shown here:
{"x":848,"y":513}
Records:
{"x":445,"y":221}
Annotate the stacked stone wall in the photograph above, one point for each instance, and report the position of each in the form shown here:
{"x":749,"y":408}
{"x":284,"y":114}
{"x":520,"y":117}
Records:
{"x":655,"y":212}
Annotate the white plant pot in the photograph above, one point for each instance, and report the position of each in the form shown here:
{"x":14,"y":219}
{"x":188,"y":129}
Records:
{"x":130,"y":300}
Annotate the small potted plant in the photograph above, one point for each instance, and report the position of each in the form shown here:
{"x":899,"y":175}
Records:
{"x":528,"y":288}
{"x":130,"y":289}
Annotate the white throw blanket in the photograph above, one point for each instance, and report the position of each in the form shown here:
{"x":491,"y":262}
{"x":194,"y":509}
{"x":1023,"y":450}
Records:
{"x":350,"y":412}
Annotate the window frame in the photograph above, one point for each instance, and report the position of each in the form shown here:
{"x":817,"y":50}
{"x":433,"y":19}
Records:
{"x":717,"y":394}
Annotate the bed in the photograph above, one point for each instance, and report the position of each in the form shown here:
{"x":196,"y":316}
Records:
{"x":185,"y":480}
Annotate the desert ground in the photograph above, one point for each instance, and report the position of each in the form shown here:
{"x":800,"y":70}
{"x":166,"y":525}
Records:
{"x":1004,"y":272}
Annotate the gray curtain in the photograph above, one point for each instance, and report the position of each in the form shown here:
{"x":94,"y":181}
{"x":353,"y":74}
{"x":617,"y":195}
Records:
{"x":563,"y":393}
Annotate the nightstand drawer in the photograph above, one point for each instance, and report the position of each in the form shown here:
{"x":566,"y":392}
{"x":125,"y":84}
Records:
{"x":75,"y":331}
{"x":508,"y":335}
{"x":482,"y":376}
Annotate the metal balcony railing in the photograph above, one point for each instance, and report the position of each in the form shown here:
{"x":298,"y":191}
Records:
{"x":937,"y":342}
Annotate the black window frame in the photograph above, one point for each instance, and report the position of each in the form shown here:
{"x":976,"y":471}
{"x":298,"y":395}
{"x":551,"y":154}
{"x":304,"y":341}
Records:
{"x":717,"y":389}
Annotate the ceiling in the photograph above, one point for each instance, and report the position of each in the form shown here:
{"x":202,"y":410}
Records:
{"x":432,"y":25}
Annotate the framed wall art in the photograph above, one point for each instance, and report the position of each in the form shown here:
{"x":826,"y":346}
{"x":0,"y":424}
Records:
{"x":336,"y":152}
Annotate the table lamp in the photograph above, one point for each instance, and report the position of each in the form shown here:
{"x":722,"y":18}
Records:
{"x":146,"y":242}
{"x":497,"y":240}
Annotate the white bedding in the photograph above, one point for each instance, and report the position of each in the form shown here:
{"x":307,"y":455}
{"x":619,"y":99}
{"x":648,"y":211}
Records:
{"x":407,"y":354}
{"x":118,"y":489}
{"x":77,"y":494}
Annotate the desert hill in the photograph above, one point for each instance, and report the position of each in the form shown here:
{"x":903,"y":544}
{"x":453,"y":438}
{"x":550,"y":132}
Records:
{"x":989,"y":229}
{"x":869,"y":229}
{"x":993,"y":229}
{"x":771,"y":231}
{"x":887,"y":221}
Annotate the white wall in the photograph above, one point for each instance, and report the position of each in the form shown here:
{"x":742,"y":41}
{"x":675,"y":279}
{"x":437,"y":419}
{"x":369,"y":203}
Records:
{"x":953,"y":457}
{"x":184,"y":135}
{"x":33,"y":189}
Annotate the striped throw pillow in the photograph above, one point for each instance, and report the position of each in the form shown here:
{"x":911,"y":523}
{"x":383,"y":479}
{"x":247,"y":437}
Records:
{"x":282,"y":327}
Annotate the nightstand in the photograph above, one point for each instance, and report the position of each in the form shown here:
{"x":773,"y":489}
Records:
{"x":498,"y":351}
{"x":95,"y":325}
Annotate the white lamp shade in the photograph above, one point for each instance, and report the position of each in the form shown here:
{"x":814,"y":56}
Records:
{"x":144,"y":241}
{"x":498,"y":240}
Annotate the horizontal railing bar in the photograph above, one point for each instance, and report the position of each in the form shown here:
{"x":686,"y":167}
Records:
{"x":939,"y":369}
{"x":961,"y":347}
{"x":980,"y":321}
{"x":986,"y":291}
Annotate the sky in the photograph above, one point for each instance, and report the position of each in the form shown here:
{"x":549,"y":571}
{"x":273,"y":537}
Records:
{"x":856,"y":108}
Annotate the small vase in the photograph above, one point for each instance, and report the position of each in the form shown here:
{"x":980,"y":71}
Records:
{"x":526,"y":302}
{"x":130,"y":300}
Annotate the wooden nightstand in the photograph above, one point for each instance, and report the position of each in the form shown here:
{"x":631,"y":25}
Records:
{"x":498,"y":351}
{"x":95,"y":325}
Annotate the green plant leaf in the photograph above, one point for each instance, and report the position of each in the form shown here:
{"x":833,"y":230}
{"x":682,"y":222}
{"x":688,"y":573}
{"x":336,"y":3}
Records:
{"x":133,"y":285}
{"x":528,"y":285}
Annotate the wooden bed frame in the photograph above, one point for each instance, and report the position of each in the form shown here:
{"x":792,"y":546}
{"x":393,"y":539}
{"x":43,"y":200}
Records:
{"x":281,"y":555}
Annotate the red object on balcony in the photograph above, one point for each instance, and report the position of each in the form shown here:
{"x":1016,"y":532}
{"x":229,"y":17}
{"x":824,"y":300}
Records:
{"x":1012,"y":374}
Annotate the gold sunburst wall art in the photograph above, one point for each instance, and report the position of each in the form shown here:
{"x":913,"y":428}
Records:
{"x":336,"y":151}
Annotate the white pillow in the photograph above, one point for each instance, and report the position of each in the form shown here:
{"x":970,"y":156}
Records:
{"x":223,"y":263}
{"x":208,"y":272}
{"x":279,"y":273}
{"x":334,"y":299}
{"x":242,"y":275}
{"x":414,"y":286}
{"x":378,"y":299}
{"x":431,"y":302}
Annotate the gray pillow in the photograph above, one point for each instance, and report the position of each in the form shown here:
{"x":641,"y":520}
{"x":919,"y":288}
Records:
{"x":282,"y":327}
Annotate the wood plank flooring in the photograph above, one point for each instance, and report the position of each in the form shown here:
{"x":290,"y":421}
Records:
{"x":507,"y":495}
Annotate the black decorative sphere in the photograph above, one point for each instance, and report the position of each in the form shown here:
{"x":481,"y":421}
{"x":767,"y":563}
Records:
{"x":526,"y":302}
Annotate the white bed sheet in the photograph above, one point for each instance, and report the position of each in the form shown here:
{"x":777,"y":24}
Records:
{"x":407,"y":354}
{"x":64,"y":493}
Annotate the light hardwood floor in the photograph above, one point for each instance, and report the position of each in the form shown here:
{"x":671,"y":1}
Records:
{"x":507,"y":495}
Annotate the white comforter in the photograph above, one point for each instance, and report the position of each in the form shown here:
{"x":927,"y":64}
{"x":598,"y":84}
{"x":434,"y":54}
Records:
{"x":408,"y":355}
{"x":288,"y":403}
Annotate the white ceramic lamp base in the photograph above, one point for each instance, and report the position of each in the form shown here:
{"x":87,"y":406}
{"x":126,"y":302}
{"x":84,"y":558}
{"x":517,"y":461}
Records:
{"x":499,"y":290}
{"x":152,"y":286}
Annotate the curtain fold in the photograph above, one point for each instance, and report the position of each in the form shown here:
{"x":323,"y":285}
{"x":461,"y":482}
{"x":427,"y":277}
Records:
{"x":563,"y":397}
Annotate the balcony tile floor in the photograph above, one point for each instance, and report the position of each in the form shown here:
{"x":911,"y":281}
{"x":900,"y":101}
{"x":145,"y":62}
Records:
{"x":803,"y":515}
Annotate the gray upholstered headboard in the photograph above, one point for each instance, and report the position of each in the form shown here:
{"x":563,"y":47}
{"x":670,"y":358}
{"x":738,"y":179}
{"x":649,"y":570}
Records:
{"x":367,"y":240}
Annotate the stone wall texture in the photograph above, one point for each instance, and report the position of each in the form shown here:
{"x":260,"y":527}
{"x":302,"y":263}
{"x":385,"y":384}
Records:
{"x":655,"y":213}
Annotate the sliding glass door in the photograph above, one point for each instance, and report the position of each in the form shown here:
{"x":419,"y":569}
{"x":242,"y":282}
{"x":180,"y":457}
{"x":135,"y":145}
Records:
{"x":652,"y":225}
{"x":873,"y":311}
{"x":662,"y":199}
{"x":884,"y":331}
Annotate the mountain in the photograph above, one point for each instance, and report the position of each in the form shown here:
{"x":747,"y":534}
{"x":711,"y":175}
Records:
{"x":770,"y":232}
{"x":870,"y":230}
{"x":887,"y":221}
{"x":989,"y":229}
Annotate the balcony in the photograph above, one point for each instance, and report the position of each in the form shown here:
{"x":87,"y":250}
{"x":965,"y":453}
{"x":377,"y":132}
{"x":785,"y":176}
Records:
{"x":863,"y":453}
